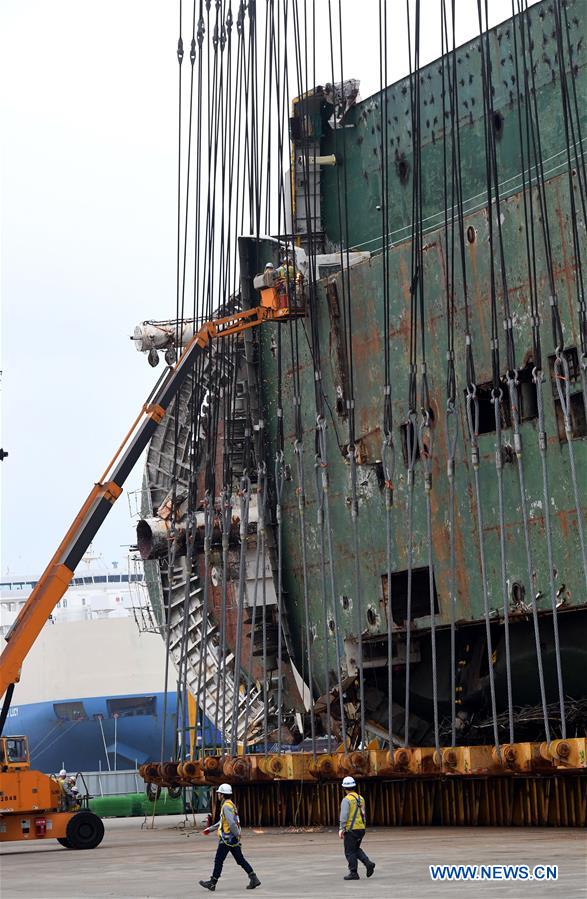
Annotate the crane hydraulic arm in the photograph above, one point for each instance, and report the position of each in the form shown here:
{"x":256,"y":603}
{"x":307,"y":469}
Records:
{"x":59,"y":572}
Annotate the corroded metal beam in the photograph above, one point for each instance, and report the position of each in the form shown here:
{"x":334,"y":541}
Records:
{"x":559,"y":757}
{"x":531,"y":785}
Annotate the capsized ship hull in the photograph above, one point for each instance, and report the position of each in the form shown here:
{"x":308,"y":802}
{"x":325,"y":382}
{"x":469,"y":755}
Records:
{"x":367,"y":593}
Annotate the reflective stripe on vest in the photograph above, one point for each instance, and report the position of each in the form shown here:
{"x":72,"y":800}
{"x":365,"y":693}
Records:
{"x":356,"y":818}
{"x":224,"y":829}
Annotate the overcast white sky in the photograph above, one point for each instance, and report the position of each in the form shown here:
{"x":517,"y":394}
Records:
{"x":89,"y":124}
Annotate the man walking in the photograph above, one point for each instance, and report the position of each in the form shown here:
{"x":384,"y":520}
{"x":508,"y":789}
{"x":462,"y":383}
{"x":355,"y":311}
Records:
{"x":353,"y":821}
{"x":229,"y":840}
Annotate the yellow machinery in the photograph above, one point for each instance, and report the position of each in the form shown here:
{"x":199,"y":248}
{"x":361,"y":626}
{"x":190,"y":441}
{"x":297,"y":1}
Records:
{"x":33,"y":805}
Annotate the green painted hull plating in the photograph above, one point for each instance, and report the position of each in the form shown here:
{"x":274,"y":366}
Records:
{"x":360,"y":156}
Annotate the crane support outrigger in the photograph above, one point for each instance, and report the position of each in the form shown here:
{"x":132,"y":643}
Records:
{"x":23,"y":791}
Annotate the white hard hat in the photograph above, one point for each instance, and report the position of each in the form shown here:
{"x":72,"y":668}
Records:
{"x":225,"y":789}
{"x":349,"y":782}
{"x":63,"y":773}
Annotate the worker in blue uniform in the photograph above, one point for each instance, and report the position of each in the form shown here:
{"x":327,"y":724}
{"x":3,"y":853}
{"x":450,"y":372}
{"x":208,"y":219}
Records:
{"x":229,"y":841}
{"x":352,"y":826}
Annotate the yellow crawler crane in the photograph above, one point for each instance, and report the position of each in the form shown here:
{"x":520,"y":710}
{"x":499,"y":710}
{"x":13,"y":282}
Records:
{"x":32,"y":804}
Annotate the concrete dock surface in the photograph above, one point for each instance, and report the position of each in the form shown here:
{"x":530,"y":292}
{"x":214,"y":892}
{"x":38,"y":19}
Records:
{"x":169,"y":860}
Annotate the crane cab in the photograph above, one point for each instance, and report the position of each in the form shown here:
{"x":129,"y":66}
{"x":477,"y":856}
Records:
{"x":14,"y":753}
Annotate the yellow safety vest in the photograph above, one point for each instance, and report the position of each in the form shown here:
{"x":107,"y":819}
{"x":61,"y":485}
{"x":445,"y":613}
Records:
{"x":224,"y":829}
{"x":357,"y":819}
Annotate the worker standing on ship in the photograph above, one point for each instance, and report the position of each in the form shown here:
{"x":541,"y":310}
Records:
{"x":352,"y":826}
{"x":229,"y":840}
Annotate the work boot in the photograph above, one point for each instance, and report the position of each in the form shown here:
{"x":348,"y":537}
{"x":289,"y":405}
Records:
{"x":253,"y":881}
{"x":370,"y":869}
{"x":209,"y":884}
{"x":352,"y":875}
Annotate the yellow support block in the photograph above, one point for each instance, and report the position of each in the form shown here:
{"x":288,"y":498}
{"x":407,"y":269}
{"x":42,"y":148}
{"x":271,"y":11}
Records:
{"x":470,"y":760}
{"x":571,"y":753}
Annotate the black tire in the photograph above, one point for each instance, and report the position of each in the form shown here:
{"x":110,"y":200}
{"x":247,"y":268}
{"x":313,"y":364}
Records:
{"x":174,"y":792}
{"x":84,"y":831}
{"x":64,"y":842}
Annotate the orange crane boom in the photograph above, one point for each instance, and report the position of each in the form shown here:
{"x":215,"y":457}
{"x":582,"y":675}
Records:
{"x":58,"y":574}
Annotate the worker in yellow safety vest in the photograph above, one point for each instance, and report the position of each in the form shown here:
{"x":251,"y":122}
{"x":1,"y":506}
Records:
{"x":229,"y":840}
{"x":285,"y":283}
{"x":352,"y":826}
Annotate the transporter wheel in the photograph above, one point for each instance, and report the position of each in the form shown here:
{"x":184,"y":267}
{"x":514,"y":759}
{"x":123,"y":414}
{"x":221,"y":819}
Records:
{"x":64,"y":842}
{"x":84,"y":831}
{"x":174,"y":792}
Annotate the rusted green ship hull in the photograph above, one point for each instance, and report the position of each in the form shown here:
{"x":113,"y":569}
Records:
{"x":358,"y":152}
{"x":457,"y":575}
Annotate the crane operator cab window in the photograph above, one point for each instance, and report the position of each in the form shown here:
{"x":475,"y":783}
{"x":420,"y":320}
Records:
{"x":15,"y":752}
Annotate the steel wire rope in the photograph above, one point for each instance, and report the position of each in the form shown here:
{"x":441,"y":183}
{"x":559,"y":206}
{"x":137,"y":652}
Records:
{"x":264,"y":640}
{"x":262,"y":493}
{"x":345,"y":282}
{"x":183,"y":655}
{"x":227,"y":368}
{"x":322,"y":562}
{"x":245,"y":497}
{"x":472,"y":400}
{"x":451,"y":419}
{"x":226,"y":513}
{"x":582,"y":179}
{"x":258,"y":429}
{"x":225,"y":524}
{"x":215,"y":97}
{"x":512,"y":382}
{"x":202,"y":678}
{"x":303,"y":91}
{"x":236,"y":188}
{"x":217,"y":359}
{"x":183,"y":652}
{"x":425,"y":433}
{"x":496,"y":392}
{"x":560,"y":362}
{"x":213,"y":154}
{"x":328,"y":527}
{"x":279,"y":482}
{"x":526,"y":146}
{"x":255,"y":190}
{"x":578,"y":172}
{"x":531,"y":97}
{"x":352,"y":449}
{"x":171,"y":548}
{"x":410,"y":424}
{"x":561,"y":366}
{"x":314,"y":346}
{"x":387,"y":450}
{"x":472,"y":411}
{"x":279,"y":473}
